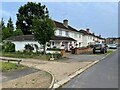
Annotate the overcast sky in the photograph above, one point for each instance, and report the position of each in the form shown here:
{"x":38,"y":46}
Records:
{"x":101,"y":18}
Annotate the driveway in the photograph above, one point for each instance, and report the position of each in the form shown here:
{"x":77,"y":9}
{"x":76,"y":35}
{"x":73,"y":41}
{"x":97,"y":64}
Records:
{"x":81,"y":57}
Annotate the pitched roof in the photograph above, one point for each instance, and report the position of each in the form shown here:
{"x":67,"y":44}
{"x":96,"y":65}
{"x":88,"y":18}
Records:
{"x":31,"y":38}
{"x":86,"y":33}
{"x":63,"y":38}
{"x":21,"y":38}
{"x":60,"y":25}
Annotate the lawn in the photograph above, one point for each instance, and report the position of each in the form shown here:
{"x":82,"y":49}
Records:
{"x":5,"y":66}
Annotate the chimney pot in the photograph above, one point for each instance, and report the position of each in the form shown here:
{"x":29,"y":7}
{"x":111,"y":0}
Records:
{"x":65,"y":23}
{"x":99,"y":35}
{"x":88,"y":30}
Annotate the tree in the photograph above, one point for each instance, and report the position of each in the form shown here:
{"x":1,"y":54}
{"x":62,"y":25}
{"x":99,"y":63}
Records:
{"x":43,"y":30}
{"x":6,"y":33}
{"x":10,"y":25}
{"x":2,"y":25}
{"x":17,"y":32}
{"x":26,"y":13}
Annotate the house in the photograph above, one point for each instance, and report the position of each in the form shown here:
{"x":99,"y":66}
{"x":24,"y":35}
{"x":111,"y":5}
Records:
{"x":64,"y":30}
{"x":113,"y":40}
{"x":89,"y":38}
{"x":64,"y":35}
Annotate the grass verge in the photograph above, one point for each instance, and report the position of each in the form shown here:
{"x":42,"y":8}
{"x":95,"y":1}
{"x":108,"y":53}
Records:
{"x":5,"y":66}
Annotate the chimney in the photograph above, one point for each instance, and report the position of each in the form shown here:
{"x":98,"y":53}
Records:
{"x":88,"y":30}
{"x":99,"y":35}
{"x":93,"y":33}
{"x":65,"y":23}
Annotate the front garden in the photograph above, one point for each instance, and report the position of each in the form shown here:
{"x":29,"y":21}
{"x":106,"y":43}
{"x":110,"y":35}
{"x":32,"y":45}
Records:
{"x":8,"y":50}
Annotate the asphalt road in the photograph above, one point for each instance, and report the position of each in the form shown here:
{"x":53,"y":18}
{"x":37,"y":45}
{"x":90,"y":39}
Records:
{"x":102,"y":75}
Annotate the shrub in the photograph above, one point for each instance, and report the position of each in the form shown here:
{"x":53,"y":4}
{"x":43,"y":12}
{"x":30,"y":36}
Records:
{"x":54,"y":46}
{"x":48,"y":44}
{"x":29,"y":48}
{"x":8,"y":47}
{"x":55,"y":55}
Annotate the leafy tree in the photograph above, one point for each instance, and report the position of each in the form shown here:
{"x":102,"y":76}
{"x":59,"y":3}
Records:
{"x":43,"y":30}
{"x":17,"y":32}
{"x":2,"y":25}
{"x":26,"y":13}
{"x":6,"y":33}
{"x":0,"y":36}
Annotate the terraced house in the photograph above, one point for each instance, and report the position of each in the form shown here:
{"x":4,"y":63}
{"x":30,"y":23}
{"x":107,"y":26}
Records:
{"x":90,"y":38}
{"x":64,"y":35}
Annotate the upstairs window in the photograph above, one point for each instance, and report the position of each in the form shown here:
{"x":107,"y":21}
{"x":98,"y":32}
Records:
{"x":75,"y":35}
{"x":67,"y":33}
{"x":60,"y":32}
{"x":80,"y":35}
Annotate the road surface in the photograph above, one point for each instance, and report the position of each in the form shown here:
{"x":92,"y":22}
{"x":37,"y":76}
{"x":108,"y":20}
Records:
{"x":102,"y":75}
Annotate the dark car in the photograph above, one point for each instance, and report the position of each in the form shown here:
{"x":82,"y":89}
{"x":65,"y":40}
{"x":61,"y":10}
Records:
{"x":100,"y":47}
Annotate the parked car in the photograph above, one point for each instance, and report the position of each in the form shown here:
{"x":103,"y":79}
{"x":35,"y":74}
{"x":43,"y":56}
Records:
{"x":112,"y":46}
{"x":100,"y":47}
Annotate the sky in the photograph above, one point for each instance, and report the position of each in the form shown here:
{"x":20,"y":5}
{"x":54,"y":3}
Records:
{"x":100,"y":17}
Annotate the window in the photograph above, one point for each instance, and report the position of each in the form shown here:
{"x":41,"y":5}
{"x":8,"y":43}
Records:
{"x":90,"y":37}
{"x":60,"y":32}
{"x":80,"y":35}
{"x":75,"y":35}
{"x":67,"y":33}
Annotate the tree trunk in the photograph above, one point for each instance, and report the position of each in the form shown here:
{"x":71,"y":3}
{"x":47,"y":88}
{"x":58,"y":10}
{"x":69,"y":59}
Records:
{"x":44,"y":49}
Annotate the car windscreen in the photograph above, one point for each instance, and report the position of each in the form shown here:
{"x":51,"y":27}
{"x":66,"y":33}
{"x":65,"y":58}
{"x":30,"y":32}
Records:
{"x":98,"y":45}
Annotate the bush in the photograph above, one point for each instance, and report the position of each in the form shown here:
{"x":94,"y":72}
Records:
{"x":55,"y":55}
{"x":29,"y":48}
{"x":8,"y":47}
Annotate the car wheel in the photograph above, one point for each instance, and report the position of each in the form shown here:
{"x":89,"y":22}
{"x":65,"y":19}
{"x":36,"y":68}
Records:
{"x":103,"y":51}
{"x":93,"y":51}
{"x":106,"y":51}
